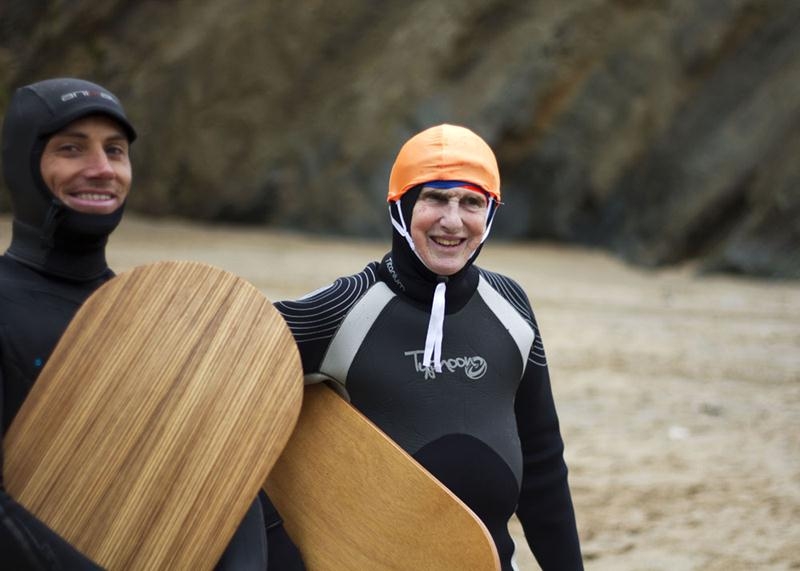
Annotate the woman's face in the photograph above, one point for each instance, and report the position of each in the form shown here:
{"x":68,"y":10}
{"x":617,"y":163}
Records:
{"x":447,"y":226}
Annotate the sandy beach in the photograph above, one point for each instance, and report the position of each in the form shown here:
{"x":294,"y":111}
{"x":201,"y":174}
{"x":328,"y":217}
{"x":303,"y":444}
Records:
{"x":678,"y":395}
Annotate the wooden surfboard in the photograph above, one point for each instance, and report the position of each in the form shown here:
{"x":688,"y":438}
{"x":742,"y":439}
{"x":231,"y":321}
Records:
{"x":351,"y":498}
{"x":157,"y":418}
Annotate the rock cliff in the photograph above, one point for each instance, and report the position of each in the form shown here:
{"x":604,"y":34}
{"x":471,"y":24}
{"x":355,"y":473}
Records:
{"x":663,"y":130}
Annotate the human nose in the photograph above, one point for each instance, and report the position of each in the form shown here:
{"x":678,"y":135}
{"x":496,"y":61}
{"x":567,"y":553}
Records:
{"x":451,"y":214}
{"x":99,"y":165}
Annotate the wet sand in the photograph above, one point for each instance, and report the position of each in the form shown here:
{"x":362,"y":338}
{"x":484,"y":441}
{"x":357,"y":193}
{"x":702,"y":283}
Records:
{"x":679,"y":395}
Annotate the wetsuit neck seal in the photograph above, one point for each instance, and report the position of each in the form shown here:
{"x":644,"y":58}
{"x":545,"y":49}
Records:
{"x":70,"y":245}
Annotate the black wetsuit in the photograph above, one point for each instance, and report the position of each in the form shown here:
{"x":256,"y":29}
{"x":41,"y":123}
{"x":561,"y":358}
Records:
{"x":55,"y":261}
{"x":34,"y":311}
{"x":486,"y":426}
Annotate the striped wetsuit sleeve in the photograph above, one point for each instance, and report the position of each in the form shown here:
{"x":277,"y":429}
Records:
{"x":315,"y":317}
{"x":545,"y":506}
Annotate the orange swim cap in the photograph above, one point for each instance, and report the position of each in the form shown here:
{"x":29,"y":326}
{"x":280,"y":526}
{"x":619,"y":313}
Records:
{"x":444,"y":152}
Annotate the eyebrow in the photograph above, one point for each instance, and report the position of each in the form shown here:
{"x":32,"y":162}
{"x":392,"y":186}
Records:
{"x":76,"y":134}
{"x":432,"y":190}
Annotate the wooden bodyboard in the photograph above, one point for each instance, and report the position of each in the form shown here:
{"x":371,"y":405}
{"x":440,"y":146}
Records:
{"x":157,"y":417}
{"x":351,"y":498}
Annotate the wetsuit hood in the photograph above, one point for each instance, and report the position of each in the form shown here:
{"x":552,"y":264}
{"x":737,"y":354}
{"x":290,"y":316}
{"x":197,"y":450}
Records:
{"x":46,"y":235}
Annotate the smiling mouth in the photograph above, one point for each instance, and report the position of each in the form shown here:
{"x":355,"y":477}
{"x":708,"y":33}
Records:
{"x":448,"y":242}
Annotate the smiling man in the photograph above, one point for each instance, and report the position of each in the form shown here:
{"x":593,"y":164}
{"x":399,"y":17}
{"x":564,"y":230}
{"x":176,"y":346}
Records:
{"x":446,"y":357}
{"x":67,"y":166}
{"x":87,"y":166}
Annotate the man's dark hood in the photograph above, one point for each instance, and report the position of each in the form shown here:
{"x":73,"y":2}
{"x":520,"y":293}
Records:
{"x":47,"y":235}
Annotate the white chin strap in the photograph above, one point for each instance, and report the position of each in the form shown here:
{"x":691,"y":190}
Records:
{"x":433,"y":340}
{"x":399,"y":224}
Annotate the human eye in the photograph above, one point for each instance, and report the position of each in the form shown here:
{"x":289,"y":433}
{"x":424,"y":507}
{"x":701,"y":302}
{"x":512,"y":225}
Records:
{"x":117,"y":150}
{"x":70,"y":147}
{"x":66,"y":147}
{"x":474,"y":202}
{"x":434,"y":197}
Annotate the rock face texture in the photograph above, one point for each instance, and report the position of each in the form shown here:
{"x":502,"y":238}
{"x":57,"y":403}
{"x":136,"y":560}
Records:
{"x":663,"y":130}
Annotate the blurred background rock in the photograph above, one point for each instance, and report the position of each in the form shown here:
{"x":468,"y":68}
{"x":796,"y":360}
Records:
{"x":665,"y":131}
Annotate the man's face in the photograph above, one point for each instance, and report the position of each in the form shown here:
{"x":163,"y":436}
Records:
{"x":86,"y":165}
{"x":447,"y":225}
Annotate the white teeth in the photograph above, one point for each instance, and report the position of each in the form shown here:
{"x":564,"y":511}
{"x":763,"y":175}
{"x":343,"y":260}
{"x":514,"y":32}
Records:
{"x":91,"y":196}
